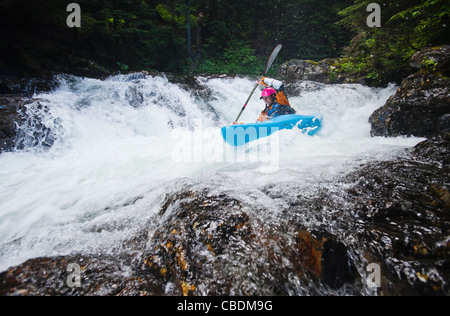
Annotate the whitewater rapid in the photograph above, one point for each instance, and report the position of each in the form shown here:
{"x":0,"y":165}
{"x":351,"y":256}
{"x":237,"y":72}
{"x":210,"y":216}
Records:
{"x":118,"y":145}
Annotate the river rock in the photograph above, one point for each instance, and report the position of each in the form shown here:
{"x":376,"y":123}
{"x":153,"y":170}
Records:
{"x":421,"y":108}
{"x":192,"y":84}
{"x":9,"y":106}
{"x":98,"y":276}
{"x":298,"y":69}
{"x":15,"y":94}
{"x":433,"y":59}
{"x":210,"y":242}
{"x":19,"y":115}
{"x":26,"y":86}
{"x":215,"y":245}
{"x":401,"y":216}
{"x":435,"y":150}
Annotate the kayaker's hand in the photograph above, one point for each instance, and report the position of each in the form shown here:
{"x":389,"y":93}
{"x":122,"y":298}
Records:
{"x":235,"y":123}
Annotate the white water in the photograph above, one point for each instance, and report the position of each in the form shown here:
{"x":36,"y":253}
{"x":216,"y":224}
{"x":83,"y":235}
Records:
{"x":127,"y":139}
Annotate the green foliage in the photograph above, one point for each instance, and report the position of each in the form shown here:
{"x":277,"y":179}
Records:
{"x":383,"y":54}
{"x":429,"y":64}
{"x":238,"y":57}
{"x":309,"y":31}
{"x":231,"y":36}
{"x":169,"y":17}
{"x":123,"y":67}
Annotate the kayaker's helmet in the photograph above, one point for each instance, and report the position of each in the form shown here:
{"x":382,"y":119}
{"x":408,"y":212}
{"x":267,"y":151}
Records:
{"x":268,"y":92}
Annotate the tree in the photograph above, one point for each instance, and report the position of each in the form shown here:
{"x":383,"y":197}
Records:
{"x":383,"y":54}
{"x":308,"y":29}
{"x":168,"y":35}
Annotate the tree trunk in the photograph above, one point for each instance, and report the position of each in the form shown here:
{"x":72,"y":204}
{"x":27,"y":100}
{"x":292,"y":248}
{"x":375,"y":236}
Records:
{"x":199,"y":36}
{"x":188,"y":22}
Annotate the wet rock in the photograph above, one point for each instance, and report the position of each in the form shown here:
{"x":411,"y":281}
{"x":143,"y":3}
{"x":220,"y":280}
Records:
{"x":19,"y":115}
{"x":194,"y":242}
{"x":191,"y":84}
{"x":15,"y":94}
{"x":9,"y":106}
{"x":433,"y":59}
{"x":86,"y":68}
{"x":324,"y":258}
{"x":98,"y":276}
{"x":421,"y":108}
{"x":326,"y":71}
{"x":296,"y":88}
{"x":395,"y":214}
{"x":297,"y":69}
{"x":26,"y":86}
{"x":435,"y":150}
{"x":401,"y":211}
{"x":216,"y":245}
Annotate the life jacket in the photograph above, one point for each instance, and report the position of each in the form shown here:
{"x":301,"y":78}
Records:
{"x":281,"y":106}
{"x":275,"y":110}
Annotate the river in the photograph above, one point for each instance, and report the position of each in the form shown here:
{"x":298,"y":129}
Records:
{"x":134,"y":137}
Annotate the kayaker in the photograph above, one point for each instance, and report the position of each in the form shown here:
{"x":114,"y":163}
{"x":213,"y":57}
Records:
{"x":276,"y":101}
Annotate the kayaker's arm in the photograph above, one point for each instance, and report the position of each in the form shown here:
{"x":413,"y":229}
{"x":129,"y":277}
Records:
{"x":269,"y":82}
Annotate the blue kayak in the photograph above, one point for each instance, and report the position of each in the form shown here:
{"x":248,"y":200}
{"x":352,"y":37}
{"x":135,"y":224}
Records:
{"x":238,"y":135}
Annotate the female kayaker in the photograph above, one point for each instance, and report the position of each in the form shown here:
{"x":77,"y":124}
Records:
{"x":276,"y":101}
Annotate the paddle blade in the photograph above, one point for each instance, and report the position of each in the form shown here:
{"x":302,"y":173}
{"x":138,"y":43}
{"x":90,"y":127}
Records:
{"x":272,"y":57}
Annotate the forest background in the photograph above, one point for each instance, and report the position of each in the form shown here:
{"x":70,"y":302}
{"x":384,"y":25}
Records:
{"x":218,"y":36}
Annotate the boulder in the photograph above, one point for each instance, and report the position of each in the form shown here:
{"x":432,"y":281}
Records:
{"x":401,"y":219}
{"x":99,"y":276}
{"x":421,"y":106}
{"x":433,"y":59}
{"x":435,"y":150}
{"x":297,"y":69}
{"x":211,"y":245}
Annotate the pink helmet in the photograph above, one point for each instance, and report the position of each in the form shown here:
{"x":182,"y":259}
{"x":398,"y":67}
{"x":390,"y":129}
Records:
{"x":268,"y":92}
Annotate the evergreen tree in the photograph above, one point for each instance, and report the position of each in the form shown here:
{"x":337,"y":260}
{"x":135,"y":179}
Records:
{"x":383,"y":54}
{"x":309,"y":31}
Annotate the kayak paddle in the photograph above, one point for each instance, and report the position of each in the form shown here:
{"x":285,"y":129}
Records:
{"x":268,"y":65}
